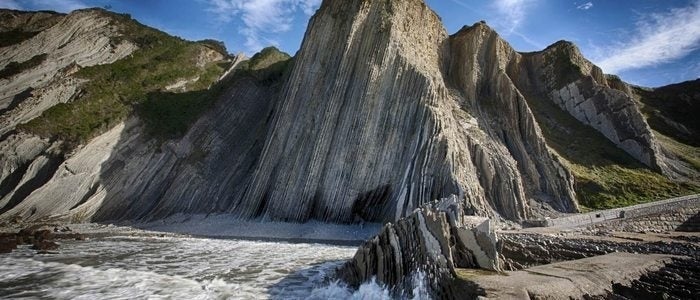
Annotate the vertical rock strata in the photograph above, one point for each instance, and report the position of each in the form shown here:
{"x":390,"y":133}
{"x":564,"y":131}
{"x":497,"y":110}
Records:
{"x":435,"y":239}
{"x":372,"y":128}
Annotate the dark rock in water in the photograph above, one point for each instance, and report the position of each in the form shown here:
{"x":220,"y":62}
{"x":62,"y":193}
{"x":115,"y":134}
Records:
{"x":8,"y":242}
{"x":40,"y":239}
{"x":434,"y":239}
{"x":44,"y":245}
{"x":41,"y":235}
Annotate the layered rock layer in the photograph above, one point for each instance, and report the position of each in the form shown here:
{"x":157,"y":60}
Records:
{"x":379,"y":113}
{"x":384,"y":131}
{"x":66,"y":43}
{"x":561,"y":74}
{"x":435,"y":239}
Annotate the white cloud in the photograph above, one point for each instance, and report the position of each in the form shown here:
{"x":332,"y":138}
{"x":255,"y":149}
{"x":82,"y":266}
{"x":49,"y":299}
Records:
{"x":585,"y":6}
{"x":11,"y":4}
{"x":56,"y":5}
{"x":262,"y":19}
{"x":512,"y":13}
{"x":661,"y":38}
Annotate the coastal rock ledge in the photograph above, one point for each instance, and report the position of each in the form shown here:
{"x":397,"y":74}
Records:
{"x":434,"y":240}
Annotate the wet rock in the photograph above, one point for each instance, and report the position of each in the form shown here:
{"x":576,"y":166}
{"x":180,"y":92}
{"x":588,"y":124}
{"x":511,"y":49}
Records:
{"x":8,"y":242}
{"x":44,"y":245}
{"x":435,"y":239}
{"x":679,"y":279}
{"x":522,"y":250}
{"x":589,"y":278}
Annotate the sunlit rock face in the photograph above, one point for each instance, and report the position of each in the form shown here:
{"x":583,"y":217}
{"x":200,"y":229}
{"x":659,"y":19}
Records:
{"x":396,"y":114}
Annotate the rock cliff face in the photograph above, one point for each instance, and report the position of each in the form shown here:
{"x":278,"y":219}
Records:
{"x":379,"y":112}
{"x":605,"y":103}
{"x":64,"y":43}
{"x":387,"y":131}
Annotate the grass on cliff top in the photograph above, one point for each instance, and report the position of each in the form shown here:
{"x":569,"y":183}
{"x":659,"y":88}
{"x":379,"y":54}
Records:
{"x":267,"y":66}
{"x":115,"y":90}
{"x":170,"y":114}
{"x":605,"y":176}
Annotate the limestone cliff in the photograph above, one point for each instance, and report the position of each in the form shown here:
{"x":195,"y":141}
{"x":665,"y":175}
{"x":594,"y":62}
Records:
{"x":379,"y":113}
{"x":60,"y":44}
{"x":602,"y":102}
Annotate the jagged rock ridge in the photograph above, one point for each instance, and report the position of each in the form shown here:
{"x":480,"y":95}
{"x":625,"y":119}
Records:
{"x":378,"y":113}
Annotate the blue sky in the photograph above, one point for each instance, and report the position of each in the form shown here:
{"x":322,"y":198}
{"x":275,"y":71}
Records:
{"x":646,"y":42}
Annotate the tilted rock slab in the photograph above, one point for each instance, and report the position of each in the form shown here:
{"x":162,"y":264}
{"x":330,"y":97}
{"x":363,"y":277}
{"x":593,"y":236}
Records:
{"x":380,"y":112}
{"x":605,"y":103}
{"x":80,"y":39}
{"x":435,"y":240}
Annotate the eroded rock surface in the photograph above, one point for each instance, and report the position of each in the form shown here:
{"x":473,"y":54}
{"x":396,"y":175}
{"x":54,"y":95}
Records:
{"x":435,"y":239}
{"x":589,"y":278}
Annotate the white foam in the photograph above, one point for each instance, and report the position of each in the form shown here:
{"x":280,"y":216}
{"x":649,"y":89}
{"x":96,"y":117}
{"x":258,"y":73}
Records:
{"x":371,"y":290}
{"x":184,"y":268}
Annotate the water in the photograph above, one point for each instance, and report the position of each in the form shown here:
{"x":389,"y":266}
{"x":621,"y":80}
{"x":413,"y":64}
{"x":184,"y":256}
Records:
{"x":182,"y":268}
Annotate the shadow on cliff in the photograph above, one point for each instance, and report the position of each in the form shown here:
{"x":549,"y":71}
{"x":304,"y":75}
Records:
{"x":186,"y":153}
{"x":691,"y":225}
{"x":574,"y":141}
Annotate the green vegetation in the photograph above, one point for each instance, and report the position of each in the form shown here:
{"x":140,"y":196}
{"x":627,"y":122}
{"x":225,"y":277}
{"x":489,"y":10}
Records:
{"x":14,"y":68}
{"x":114,"y":90}
{"x":268,"y":66}
{"x":605,"y":176}
{"x":687,"y":153}
{"x":12,"y":37}
{"x":215,"y":45}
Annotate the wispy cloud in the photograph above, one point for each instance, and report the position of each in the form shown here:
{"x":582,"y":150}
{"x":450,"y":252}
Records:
{"x":11,"y":4}
{"x":512,"y":13}
{"x":262,"y":19}
{"x":662,"y":37}
{"x":57,"y":5}
{"x":585,"y":6}
{"x":529,"y":41}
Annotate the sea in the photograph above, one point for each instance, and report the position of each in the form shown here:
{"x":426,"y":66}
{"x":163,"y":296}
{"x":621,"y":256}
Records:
{"x":181,"y":267}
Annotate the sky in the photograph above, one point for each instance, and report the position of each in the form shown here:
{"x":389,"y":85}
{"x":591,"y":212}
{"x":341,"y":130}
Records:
{"x":646,"y":42}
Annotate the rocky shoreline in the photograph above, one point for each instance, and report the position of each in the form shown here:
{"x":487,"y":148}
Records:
{"x":640,"y":264}
{"x":42,"y":240}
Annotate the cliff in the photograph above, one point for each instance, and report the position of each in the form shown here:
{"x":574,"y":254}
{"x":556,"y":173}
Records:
{"x":379,"y":113}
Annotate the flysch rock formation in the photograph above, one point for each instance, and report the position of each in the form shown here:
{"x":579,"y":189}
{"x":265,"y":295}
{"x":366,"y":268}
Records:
{"x":435,"y":240}
{"x":561,"y":74}
{"x":384,"y":131}
{"x":396,"y":114}
{"x":37,"y":172}
{"x":80,"y":39}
